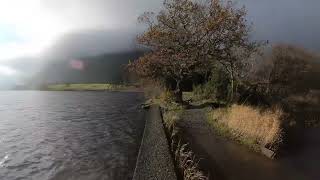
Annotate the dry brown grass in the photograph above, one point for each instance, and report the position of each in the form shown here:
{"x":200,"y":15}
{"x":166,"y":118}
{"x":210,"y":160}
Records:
{"x":185,"y":160}
{"x":250,"y":124}
{"x":171,"y":117}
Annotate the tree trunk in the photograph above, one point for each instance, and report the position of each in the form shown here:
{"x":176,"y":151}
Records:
{"x":178,"y":96}
{"x":178,"y":93}
{"x":232,"y":90}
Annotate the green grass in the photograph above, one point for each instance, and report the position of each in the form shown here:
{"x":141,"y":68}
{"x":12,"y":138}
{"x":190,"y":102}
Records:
{"x":196,"y":101}
{"x":86,"y":87}
{"x":172,"y":111}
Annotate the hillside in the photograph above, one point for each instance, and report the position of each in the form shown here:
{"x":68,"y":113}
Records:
{"x":107,"y":68}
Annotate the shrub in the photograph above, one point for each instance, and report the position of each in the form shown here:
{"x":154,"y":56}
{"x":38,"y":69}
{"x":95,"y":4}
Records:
{"x":204,"y":91}
{"x":217,"y":87}
{"x":286,"y":71}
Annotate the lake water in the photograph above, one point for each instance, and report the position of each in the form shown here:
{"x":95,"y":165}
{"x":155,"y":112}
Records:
{"x":69,"y":135}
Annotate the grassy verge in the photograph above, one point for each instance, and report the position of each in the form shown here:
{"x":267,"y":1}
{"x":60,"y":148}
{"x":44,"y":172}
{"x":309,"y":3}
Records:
{"x":87,"y":87}
{"x":250,"y":126}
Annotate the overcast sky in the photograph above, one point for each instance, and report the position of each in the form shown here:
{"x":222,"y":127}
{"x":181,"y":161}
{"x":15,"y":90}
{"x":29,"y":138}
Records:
{"x":29,"y":28}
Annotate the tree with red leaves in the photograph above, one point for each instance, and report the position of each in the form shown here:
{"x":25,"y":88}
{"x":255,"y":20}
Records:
{"x":187,"y":38}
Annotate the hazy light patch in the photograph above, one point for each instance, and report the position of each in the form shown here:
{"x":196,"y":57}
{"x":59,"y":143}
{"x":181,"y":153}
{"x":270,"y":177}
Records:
{"x":8,"y":34}
{"x":77,"y":64}
{"x":29,"y":21}
{"x":16,"y":49}
{"x":7,"y":71}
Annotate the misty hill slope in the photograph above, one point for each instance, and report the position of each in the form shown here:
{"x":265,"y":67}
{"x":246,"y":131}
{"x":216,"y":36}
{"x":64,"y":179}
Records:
{"x":88,"y":43}
{"x":102,"y":54}
{"x":107,"y":68}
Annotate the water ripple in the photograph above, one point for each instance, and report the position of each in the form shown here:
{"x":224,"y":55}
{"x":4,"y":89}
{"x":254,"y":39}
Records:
{"x":3,"y":160}
{"x":69,"y":135}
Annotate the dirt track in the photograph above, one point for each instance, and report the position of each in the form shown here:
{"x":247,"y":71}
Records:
{"x":225,"y":159}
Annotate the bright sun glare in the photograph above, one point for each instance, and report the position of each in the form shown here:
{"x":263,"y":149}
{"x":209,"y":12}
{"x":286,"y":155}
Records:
{"x":32,"y":25}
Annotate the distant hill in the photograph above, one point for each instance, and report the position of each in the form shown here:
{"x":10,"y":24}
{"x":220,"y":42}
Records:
{"x":106,"y":68}
{"x":89,"y":43}
{"x":102,"y":53}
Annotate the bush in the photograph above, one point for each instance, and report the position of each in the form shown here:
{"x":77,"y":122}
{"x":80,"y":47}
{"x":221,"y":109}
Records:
{"x":216,"y":88}
{"x":204,"y":91}
{"x":286,"y":71}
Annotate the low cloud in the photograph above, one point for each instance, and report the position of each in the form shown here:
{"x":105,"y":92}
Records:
{"x":62,"y":29}
{"x":7,"y":71}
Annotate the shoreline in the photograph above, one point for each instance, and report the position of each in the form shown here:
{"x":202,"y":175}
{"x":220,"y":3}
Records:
{"x":125,"y":90}
{"x":92,"y":87}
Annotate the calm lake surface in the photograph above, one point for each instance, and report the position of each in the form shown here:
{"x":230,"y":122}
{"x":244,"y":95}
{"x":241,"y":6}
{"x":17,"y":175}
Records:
{"x":69,"y":135}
